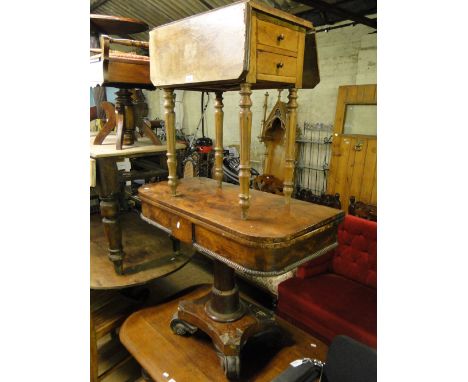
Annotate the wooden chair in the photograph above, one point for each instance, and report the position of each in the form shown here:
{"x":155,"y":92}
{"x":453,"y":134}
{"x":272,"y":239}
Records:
{"x":362,"y":210}
{"x":109,"y":309}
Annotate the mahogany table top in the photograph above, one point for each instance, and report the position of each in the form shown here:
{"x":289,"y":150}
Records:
{"x":164,"y":355}
{"x":270,"y":219}
{"x":148,"y":254}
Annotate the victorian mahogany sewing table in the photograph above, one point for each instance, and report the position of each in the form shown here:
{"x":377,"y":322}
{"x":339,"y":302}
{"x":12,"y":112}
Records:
{"x":245,"y":45}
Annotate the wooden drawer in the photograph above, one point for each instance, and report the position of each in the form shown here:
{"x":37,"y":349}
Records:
{"x":181,"y":228}
{"x":273,"y":64}
{"x":277,"y":36}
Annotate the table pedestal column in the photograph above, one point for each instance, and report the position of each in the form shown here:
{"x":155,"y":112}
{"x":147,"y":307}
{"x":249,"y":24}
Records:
{"x":228,"y":320}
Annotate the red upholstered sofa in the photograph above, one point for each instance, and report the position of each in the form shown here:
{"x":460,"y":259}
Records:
{"x":337,"y":292}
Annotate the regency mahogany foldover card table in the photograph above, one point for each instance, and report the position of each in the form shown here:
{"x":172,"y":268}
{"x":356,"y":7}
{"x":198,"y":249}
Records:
{"x":243,"y":46}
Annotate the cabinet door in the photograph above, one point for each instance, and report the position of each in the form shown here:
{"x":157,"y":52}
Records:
{"x":353,"y":166}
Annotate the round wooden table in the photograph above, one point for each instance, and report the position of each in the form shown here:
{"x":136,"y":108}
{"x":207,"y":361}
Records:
{"x":116,"y":24}
{"x":148,"y":254}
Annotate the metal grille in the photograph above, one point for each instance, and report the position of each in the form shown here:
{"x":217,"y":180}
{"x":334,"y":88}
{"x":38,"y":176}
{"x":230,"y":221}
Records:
{"x":313,"y":160}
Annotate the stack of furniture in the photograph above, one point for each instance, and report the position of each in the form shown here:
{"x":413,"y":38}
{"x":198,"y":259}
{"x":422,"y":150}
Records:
{"x":259,"y":48}
{"x":337,"y":293}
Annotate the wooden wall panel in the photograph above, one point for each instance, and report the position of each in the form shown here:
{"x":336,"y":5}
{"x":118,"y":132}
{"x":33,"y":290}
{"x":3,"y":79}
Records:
{"x":353,"y":171}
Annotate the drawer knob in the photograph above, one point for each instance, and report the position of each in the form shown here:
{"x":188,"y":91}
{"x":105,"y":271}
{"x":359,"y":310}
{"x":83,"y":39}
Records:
{"x":279,"y":65}
{"x":280,"y":37}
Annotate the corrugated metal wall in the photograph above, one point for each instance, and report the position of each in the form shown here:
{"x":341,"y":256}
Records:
{"x":159,"y":12}
{"x":156,"y":12}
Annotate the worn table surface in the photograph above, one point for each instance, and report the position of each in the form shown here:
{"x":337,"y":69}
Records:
{"x":270,"y":219}
{"x":148,"y":254}
{"x":141,"y":147}
{"x":148,"y":337}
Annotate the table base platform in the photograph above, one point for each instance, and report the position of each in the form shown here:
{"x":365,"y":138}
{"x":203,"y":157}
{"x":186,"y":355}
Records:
{"x":228,"y":337}
{"x":164,"y":355}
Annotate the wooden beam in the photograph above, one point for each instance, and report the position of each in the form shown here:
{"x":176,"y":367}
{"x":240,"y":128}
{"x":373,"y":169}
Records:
{"x":323,"y":6}
{"x":96,"y":4}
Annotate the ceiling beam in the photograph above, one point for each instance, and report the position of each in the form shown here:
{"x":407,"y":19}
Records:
{"x":323,"y":6}
{"x":96,"y":4}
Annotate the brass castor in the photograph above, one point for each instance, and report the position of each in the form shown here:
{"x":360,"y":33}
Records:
{"x":231,"y":366}
{"x":182,"y":328}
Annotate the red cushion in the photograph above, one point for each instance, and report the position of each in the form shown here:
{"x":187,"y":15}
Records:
{"x":328,"y":305}
{"x":356,"y":255}
{"x":354,"y":258}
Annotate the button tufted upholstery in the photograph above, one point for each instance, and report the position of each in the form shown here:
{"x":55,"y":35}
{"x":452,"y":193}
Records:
{"x":336,"y":293}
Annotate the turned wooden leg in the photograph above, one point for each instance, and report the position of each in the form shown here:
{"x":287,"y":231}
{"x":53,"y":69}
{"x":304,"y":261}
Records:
{"x":108,"y":186}
{"x":219,"y":114}
{"x":245,"y":117}
{"x":290,"y":154}
{"x":169,"y":123}
{"x":124,"y":107}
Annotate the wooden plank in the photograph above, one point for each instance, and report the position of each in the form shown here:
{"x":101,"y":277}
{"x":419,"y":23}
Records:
{"x":336,"y":150}
{"x":348,"y":172}
{"x":374,"y":189}
{"x":358,"y":172}
{"x":341,"y":170}
{"x":368,"y":176}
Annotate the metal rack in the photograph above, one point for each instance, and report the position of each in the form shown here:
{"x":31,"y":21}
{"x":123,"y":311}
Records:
{"x":314,"y":151}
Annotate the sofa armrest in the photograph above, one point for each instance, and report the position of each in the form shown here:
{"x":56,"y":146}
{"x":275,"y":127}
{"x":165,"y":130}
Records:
{"x":316,"y":266}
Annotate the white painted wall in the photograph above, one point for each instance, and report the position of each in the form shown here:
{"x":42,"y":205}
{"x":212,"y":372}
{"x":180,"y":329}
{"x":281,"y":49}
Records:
{"x":347,"y":56}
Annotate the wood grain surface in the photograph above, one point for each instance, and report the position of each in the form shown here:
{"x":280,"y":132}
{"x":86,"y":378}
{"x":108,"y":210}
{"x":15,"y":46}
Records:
{"x":148,"y":254}
{"x":270,"y":220}
{"x":147,"y":336}
{"x":254,"y":44}
{"x":143,"y":146}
